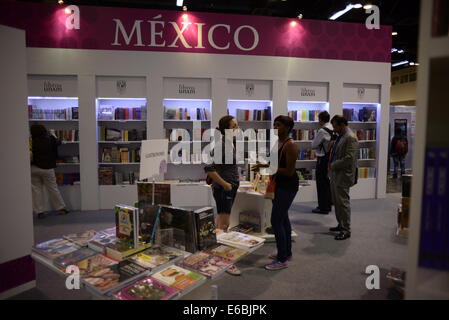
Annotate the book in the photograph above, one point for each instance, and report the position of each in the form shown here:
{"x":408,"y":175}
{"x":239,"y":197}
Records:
{"x":157,"y":257}
{"x":206,"y":264}
{"x":105,"y":176}
{"x":428,"y":204}
{"x":127,"y":222}
{"x":161,"y":193}
{"x":94,"y":263}
{"x":205,"y":227}
{"x":82,"y":238}
{"x":120,"y":249}
{"x":112,"y":276}
{"x":239,"y":240}
{"x":55,"y":248}
{"x":179,"y":278}
{"x":243,"y":228}
{"x":226,"y":252}
{"x":102,"y":239}
{"x":62,"y":262}
{"x":146,"y":289}
{"x":177,"y":228}
{"x":252,"y":219}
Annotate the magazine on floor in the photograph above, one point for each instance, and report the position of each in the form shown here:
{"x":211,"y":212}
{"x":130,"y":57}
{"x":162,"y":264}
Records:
{"x":206,"y":264}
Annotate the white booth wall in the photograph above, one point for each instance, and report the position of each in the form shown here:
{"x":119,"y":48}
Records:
{"x":87,"y":65}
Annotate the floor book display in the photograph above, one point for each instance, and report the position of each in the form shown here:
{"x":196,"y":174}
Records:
{"x":173,"y":255}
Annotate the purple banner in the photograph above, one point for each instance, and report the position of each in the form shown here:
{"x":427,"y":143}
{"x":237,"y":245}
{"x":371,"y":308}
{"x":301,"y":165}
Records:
{"x":106,"y":28}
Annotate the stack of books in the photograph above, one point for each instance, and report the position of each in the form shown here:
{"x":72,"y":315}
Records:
{"x":304,"y":115}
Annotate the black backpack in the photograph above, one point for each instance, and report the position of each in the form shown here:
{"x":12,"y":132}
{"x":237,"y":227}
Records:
{"x":333,"y":135}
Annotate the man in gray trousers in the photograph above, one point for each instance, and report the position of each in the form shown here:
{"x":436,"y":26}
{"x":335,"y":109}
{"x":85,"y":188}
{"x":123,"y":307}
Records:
{"x":343,"y":174}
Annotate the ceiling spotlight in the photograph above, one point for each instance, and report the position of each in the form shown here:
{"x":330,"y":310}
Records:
{"x":184,"y":8}
{"x":179,"y":3}
{"x":400,"y":63}
{"x":412,"y":63}
{"x":61,"y":1}
{"x":367,"y":6}
{"x":349,"y":7}
{"x":394,"y":33}
{"x":357,"y":6}
{"x":394,"y":50}
{"x":300,"y":16}
{"x":401,"y":51}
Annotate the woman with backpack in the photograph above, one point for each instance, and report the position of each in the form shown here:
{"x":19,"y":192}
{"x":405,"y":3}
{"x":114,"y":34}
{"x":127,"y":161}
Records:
{"x":398,"y":151}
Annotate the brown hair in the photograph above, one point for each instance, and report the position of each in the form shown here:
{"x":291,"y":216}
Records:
{"x":224,"y":123}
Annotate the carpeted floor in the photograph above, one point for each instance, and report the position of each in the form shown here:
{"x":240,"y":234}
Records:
{"x":322,"y":268}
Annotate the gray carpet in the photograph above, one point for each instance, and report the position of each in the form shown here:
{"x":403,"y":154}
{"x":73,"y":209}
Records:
{"x":322,"y":268}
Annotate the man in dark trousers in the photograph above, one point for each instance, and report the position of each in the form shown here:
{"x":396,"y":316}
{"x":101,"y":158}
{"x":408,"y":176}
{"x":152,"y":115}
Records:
{"x":343,"y":174}
{"x":322,"y":145}
{"x":398,"y":151}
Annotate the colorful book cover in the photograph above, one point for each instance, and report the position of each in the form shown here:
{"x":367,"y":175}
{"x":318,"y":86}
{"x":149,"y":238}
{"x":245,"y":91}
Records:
{"x":126,"y":220}
{"x":206,"y":264}
{"x":72,"y":258}
{"x":55,"y":248}
{"x":94,"y":263}
{"x":100,"y":241}
{"x":227,"y":252}
{"x":239,"y":240}
{"x":205,"y":227}
{"x":146,"y":289}
{"x":158,"y":256}
{"x":81,"y":239}
{"x":179,"y":278}
{"x":103,"y":280}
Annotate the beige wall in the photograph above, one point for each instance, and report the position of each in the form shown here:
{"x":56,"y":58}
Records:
{"x":403,"y":93}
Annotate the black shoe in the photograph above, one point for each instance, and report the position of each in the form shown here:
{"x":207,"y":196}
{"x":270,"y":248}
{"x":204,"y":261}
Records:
{"x":41,"y":215}
{"x":64,"y":211}
{"x":319,"y":211}
{"x":343,"y":235}
{"x":336,"y":229}
{"x":269,"y":230}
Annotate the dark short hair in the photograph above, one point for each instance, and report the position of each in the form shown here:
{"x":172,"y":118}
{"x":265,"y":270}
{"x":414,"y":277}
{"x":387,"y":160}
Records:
{"x":38,"y":130}
{"x":286,"y":121}
{"x":339,"y":120}
{"x":324,"y":116}
{"x":224,"y":123}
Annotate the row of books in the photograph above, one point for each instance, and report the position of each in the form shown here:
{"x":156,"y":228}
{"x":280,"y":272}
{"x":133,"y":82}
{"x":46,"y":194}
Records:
{"x":65,"y":179}
{"x":365,"y":173}
{"x":434,"y":247}
{"x":306,"y":154}
{"x":66,"y":135}
{"x":184,"y":134}
{"x":304,"y":115}
{"x":120,"y":155}
{"x":367,"y":153}
{"x":253,"y":115}
{"x":366,"y":134}
{"x":365,"y":114}
{"x":69,"y":113}
{"x":68,"y":159}
{"x":171,"y":113}
{"x":110,"y":134}
{"x":304,"y":135}
{"x":119,"y":113}
{"x":108,"y":176}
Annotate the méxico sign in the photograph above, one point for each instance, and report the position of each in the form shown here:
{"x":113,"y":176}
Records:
{"x":105,"y":28}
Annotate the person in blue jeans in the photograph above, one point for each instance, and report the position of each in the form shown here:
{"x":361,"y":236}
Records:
{"x":287,"y":185}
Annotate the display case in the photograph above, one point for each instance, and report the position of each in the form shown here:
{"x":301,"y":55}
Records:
{"x":187,"y":115}
{"x":53,"y":103}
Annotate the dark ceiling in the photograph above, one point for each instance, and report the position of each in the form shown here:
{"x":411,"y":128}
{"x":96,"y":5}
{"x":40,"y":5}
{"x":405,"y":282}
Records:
{"x":403,"y":15}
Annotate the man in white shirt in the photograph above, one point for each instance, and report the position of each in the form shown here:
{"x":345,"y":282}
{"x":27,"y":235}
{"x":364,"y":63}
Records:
{"x":322,"y":145}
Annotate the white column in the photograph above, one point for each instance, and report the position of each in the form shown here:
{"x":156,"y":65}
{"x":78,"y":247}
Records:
{"x":155,"y":106}
{"x":280,"y":98}
{"x":219,"y":100}
{"x":335,"y":98}
{"x":90,"y":199}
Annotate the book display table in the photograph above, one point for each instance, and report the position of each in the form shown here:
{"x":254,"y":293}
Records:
{"x":206,"y":291}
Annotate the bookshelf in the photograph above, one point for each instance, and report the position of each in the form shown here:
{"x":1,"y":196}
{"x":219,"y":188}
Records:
{"x":121,"y":127}
{"x":186,"y":120}
{"x":424,"y":281}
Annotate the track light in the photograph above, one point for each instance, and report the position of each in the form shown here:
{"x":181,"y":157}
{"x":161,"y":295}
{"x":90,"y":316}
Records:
{"x":300,"y":16}
{"x":61,"y":1}
{"x":179,"y":3}
{"x":394,"y":33}
{"x":397,"y":64}
{"x":349,"y":7}
{"x":184,"y":8}
{"x":367,"y":6}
